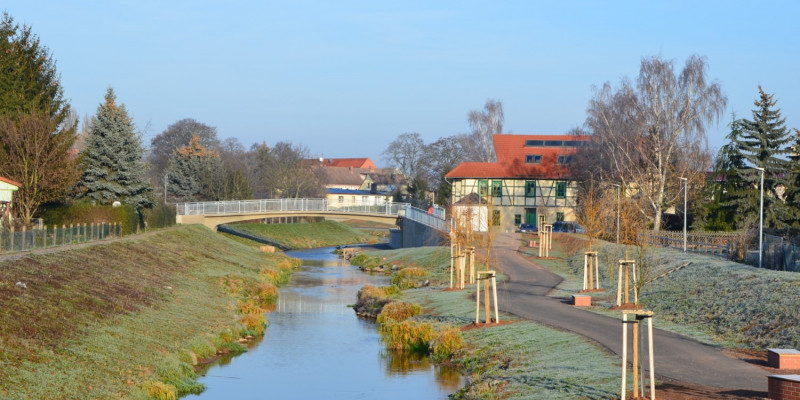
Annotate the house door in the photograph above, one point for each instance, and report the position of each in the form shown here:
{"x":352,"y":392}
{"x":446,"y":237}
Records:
{"x":530,"y":216}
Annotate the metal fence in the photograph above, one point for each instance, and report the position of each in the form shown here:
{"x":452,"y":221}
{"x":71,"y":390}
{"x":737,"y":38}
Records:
{"x":434,"y":221}
{"x":281,"y":205}
{"x":725,"y":245}
{"x":779,"y":254}
{"x":54,"y":236}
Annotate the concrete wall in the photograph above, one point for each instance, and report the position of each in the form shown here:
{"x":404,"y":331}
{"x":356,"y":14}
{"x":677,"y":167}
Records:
{"x":415,"y":234}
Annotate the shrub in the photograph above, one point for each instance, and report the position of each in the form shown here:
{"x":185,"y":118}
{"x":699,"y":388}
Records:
{"x":407,"y":335}
{"x":179,"y":375}
{"x":160,"y":390}
{"x":83,"y":212}
{"x":448,"y":340}
{"x":160,"y":216}
{"x":370,"y":300}
{"x":398,"y":311}
{"x":408,"y":277}
{"x":254,"y":323}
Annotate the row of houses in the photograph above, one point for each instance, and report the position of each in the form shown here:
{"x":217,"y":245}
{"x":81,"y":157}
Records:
{"x":530,"y":178}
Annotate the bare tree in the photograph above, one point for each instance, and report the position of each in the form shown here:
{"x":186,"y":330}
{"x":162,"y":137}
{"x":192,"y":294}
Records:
{"x":485,"y":123}
{"x":278,"y":172}
{"x":35,"y":151}
{"x":176,"y":136}
{"x":648,"y":136}
{"x":405,"y":153}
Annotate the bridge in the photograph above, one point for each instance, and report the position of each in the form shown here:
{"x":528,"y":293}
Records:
{"x":418,"y":227}
{"x":215,"y":213}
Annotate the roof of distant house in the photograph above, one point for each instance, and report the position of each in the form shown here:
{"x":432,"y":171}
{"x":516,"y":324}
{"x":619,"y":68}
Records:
{"x":525,"y":156}
{"x":10,"y":181}
{"x":345,"y":175}
{"x":342,"y":162}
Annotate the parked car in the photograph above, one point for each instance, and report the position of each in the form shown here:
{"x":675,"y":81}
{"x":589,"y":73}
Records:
{"x":528,"y":228}
{"x":568,"y":226}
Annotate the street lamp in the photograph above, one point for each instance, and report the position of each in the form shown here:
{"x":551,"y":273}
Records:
{"x":685,"y":190}
{"x":618,"y":203}
{"x":761,"y":221}
{"x":165,"y":188}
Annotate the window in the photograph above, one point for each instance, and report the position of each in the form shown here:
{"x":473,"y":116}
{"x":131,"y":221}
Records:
{"x":553,"y":143}
{"x":533,"y":159}
{"x":572,"y":143}
{"x":564,"y":160}
{"x":341,"y":199}
{"x":497,"y":189}
{"x":483,"y":187}
{"x":561,"y":190}
{"x":534,"y":143}
{"x":559,"y":216}
{"x":530,"y":188}
{"x":495,"y":217}
{"x":517,"y":219}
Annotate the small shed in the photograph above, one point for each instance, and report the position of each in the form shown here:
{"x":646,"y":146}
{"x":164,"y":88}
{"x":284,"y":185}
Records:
{"x":7,"y":189}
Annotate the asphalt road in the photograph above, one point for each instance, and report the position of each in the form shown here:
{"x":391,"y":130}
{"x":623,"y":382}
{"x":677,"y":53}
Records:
{"x":676,"y":357}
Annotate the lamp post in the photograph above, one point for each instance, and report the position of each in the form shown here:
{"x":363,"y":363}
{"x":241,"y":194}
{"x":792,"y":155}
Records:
{"x":685,"y":191}
{"x":618,"y":204}
{"x":761,"y":221}
{"x":165,"y":188}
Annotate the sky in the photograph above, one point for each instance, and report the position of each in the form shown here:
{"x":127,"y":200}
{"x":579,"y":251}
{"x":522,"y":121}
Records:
{"x":345,"y":78}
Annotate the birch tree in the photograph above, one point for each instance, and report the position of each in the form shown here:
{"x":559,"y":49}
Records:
{"x":648,"y":135}
{"x":485,"y":124}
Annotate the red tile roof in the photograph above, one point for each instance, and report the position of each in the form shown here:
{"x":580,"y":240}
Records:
{"x":349,"y":162}
{"x":10,"y":182}
{"x":511,"y":153}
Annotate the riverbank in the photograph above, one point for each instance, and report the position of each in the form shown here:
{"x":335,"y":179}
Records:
{"x":130,"y":318}
{"x":521,"y":359}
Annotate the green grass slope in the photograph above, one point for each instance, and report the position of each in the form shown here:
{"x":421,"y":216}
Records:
{"x":714,"y":300}
{"x":309,"y":235}
{"x":128,"y":319}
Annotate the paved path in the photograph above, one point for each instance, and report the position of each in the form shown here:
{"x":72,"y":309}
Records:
{"x":676,"y":357}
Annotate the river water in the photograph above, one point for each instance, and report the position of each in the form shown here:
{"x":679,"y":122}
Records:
{"x":317,"y":348}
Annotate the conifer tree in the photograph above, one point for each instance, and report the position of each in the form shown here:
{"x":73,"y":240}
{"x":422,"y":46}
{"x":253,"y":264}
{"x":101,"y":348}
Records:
{"x":114,"y":169}
{"x":717,"y":210}
{"x":793,"y":184}
{"x":762,"y":143}
{"x":192,"y":172}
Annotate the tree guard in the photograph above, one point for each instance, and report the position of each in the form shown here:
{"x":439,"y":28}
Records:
{"x":637,"y":382}
{"x":484,"y":275}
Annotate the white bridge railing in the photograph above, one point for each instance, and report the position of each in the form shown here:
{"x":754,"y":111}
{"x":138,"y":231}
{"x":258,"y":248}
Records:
{"x":282,"y":205}
{"x":434,"y":220}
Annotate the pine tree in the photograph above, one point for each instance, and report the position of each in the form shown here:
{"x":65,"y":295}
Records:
{"x":194,"y":171}
{"x":114,"y":168}
{"x":793,"y":188}
{"x":719,"y":204}
{"x":762,"y":143}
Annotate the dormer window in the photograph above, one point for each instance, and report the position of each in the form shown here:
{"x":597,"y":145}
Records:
{"x":533,"y":159}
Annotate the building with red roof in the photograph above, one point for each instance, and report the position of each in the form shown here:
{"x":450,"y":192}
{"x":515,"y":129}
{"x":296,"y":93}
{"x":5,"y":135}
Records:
{"x":530,"y":178}
{"x":7,"y":189}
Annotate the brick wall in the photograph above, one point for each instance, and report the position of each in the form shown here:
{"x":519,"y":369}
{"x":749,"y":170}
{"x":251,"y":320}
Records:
{"x":783,"y":358}
{"x":783,"y":387}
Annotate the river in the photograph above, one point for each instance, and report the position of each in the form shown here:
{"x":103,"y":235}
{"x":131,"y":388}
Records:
{"x":315,"y":347}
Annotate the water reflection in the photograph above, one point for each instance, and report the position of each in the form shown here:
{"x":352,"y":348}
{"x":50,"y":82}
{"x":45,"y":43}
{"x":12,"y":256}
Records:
{"x":315,"y":347}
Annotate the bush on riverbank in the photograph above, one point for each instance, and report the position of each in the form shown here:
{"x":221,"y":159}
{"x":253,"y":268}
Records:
{"x":401,"y":333}
{"x":129,"y":318}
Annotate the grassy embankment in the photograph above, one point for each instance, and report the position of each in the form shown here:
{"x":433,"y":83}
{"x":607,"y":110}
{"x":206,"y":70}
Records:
{"x":130,"y":319}
{"x":713,"y":300}
{"x":519,"y":360}
{"x":307,"y":235}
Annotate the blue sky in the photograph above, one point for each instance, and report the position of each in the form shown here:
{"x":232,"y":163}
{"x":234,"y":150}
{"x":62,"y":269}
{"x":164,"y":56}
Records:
{"x":344,"y":78}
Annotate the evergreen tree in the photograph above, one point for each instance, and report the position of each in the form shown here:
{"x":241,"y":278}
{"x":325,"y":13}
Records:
{"x":114,"y":169}
{"x":193,"y":171}
{"x":762,"y":143}
{"x":718,"y":204}
{"x":35,"y":132}
{"x":28,"y":81}
{"x":793,"y":188}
